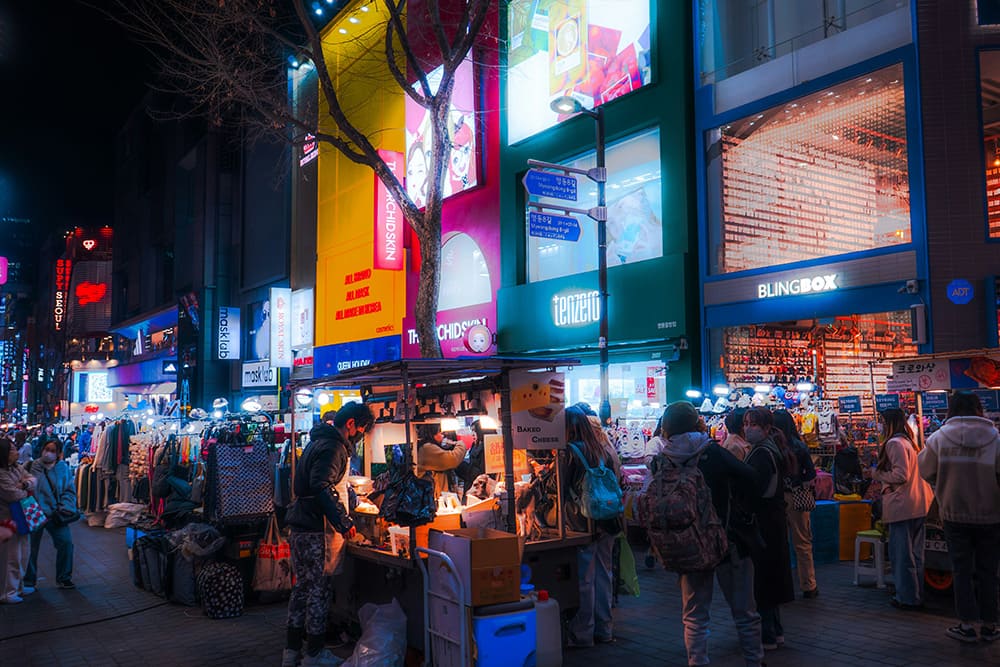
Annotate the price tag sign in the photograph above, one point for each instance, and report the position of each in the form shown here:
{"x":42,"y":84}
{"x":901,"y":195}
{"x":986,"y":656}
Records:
{"x":886,"y":401}
{"x":493,"y":451}
{"x":921,"y":375}
{"x":935,"y":400}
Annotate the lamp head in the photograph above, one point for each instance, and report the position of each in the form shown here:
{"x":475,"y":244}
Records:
{"x":566,"y":104}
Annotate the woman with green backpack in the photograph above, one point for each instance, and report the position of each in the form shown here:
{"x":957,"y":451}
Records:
{"x":592,"y":474}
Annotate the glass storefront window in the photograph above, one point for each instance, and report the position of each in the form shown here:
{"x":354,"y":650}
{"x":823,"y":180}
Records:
{"x":634,"y":199}
{"x":820,"y":176}
{"x":989,"y":91}
{"x":594,"y":50}
{"x":842,"y":356}
{"x":636,"y":390}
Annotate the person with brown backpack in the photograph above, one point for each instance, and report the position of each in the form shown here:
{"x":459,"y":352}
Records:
{"x":697,"y":528}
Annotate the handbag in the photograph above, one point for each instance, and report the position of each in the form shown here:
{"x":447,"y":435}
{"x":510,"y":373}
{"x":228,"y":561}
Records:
{"x":408,"y":500}
{"x":804,"y":498}
{"x":27,"y":515}
{"x":283,"y":481}
{"x":273,"y":570}
{"x":63,"y":515}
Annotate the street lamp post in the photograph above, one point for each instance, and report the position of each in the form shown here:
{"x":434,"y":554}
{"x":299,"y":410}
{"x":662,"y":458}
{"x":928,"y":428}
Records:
{"x":567,"y":104}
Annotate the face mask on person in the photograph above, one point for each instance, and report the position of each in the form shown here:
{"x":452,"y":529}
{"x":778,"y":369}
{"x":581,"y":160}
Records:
{"x":48,"y":457}
{"x":754,"y":434}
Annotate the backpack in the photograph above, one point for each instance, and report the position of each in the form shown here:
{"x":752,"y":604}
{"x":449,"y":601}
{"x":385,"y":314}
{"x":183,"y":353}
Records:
{"x":600,"y":495}
{"x":684,"y":530}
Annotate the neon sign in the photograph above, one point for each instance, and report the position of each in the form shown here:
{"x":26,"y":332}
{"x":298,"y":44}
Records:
{"x":87,"y":293}
{"x":805,"y":285}
{"x":576,"y":309}
{"x":89,"y":244}
{"x":63,"y":272}
{"x":388,"y":219}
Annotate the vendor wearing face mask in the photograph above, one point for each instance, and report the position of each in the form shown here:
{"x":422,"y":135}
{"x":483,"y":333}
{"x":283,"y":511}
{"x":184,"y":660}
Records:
{"x":56,"y":493}
{"x":320,"y":523}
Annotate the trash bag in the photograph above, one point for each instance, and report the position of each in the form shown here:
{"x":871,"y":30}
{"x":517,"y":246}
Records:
{"x":408,"y":500}
{"x":196,"y":540}
{"x":383,"y":637}
{"x":123,"y":514}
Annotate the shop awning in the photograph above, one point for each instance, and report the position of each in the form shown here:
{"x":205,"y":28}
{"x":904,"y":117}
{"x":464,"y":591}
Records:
{"x":143,"y":373}
{"x":147,"y":322}
{"x":431,"y":371}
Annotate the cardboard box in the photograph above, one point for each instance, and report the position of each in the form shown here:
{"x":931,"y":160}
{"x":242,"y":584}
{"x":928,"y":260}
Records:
{"x":487,"y":561}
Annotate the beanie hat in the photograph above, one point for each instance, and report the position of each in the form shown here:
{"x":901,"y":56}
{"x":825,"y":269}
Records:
{"x":680,"y":417}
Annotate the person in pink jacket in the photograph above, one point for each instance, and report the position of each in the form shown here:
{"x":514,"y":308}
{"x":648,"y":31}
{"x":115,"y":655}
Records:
{"x":906,"y":497}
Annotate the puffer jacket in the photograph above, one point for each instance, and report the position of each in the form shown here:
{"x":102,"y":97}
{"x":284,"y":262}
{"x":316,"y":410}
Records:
{"x":962,"y":462}
{"x":11,"y":489}
{"x":323,"y":465}
{"x":61,"y":491}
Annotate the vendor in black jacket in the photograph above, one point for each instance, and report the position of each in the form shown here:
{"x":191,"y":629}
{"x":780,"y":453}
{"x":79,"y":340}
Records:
{"x":320,"y":496}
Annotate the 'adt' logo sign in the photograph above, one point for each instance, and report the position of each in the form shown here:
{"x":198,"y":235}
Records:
{"x":960,"y":291}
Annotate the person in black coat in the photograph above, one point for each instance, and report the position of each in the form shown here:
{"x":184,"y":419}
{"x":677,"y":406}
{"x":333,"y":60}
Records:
{"x":773,"y":567}
{"x":732,"y":484}
{"x":320,"y":496}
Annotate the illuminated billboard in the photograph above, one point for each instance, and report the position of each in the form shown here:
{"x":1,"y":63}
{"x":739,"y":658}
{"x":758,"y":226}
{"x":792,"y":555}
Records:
{"x":593,"y":50}
{"x":462,"y":171}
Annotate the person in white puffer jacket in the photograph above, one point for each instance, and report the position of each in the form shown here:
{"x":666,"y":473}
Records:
{"x":962,"y":463}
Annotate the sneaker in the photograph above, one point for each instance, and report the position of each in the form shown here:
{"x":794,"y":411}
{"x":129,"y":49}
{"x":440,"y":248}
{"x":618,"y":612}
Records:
{"x":780,"y":640}
{"x":809,"y":595}
{"x":12,"y":599}
{"x":963,"y":633}
{"x":770,"y":647}
{"x":989,"y":633}
{"x":27,"y":590}
{"x":290,"y":658}
{"x":324,"y":658}
{"x":66,"y":585}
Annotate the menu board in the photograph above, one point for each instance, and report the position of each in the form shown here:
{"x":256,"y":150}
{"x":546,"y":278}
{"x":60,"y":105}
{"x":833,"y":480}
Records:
{"x":537,"y":403}
{"x":493,"y":453}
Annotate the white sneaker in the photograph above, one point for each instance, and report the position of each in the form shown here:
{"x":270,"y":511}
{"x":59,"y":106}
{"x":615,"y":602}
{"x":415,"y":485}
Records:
{"x":324,"y":658}
{"x":13,"y":599}
{"x":290,"y":658}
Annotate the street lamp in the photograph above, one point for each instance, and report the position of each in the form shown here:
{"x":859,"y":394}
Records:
{"x":566,"y":105}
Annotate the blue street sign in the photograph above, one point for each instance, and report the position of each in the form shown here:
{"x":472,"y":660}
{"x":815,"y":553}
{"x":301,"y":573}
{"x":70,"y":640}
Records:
{"x":548,"y":226}
{"x":960,"y":291}
{"x":886,"y":401}
{"x":849,"y":404}
{"x":935,"y":400}
{"x":547,"y":184}
{"x":988,"y":398}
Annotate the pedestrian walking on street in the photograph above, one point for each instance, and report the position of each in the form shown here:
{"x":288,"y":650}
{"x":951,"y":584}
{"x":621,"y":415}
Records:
{"x":772,"y":460}
{"x":56,"y":493}
{"x":962,"y":463}
{"x":906,"y":497}
{"x":321,"y":498}
{"x":732,"y":484}
{"x":800,"y":478}
{"x":593,"y":621}
{"x":15,"y":485}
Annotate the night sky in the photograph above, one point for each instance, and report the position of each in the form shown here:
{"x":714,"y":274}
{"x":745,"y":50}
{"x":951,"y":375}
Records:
{"x":69,"y":79}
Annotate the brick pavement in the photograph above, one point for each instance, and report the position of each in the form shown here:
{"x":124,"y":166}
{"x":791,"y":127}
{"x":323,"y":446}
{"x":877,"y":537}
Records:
{"x":845,"y":627}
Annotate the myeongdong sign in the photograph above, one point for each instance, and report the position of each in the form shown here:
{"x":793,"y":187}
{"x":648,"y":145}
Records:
{"x":796,"y":286}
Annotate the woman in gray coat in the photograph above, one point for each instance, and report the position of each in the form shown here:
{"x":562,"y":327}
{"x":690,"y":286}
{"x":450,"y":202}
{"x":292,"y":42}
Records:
{"x":56,"y":493}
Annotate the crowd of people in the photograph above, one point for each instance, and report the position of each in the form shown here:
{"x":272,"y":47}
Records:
{"x":34,"y":473}
{"x":755,"y":477}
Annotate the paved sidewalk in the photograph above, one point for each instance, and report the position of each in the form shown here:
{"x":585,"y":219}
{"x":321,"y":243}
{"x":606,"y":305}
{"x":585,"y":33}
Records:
{"x":118,"y":624}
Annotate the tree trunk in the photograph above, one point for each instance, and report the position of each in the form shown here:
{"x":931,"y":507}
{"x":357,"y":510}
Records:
{"x":425,"y":308}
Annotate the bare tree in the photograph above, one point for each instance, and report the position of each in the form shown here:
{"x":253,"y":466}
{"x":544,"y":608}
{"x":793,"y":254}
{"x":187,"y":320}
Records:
{"x":228,"y":57}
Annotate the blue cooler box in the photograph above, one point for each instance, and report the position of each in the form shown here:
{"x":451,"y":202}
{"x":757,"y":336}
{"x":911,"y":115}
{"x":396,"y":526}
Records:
{"x":825,"y":523}
{"x":505,"y":640}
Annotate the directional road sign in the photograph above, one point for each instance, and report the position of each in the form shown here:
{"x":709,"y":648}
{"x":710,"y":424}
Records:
{"x":548,"y":226}
{"x":546,"y":184}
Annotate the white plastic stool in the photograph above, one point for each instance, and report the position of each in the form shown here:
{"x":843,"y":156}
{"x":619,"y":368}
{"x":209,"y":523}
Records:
{"x":879,"y":564}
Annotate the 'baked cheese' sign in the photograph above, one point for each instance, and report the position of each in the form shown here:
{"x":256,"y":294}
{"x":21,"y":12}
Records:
{"x":537,"y":403}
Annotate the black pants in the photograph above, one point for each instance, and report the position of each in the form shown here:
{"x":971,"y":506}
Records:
{"x":975,"y":559}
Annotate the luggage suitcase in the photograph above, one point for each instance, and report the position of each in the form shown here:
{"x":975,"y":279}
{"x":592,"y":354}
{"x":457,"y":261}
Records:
{"x":183,"y":589}
{"x":154,"y":564}
{"x":220,"y":587}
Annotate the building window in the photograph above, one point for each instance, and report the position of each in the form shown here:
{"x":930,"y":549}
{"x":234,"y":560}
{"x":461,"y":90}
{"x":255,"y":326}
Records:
{"x":634,"y":200}
{"x":465,"y":276}
{"x":989,"y":91}
{"x":823,"y":175}
{"x":594,"y":50}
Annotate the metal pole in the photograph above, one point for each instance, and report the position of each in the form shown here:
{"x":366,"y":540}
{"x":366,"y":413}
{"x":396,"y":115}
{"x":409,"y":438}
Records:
{"x":602,"y":272}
